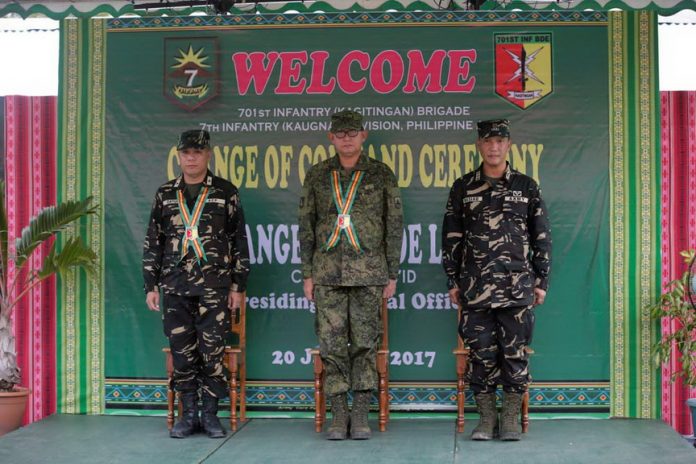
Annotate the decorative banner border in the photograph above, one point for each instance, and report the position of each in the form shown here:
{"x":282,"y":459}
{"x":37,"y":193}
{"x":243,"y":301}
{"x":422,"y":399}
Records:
{"x":426,"y":397}
{"x":80,"y":367}
{"x":450,"y":18}
{"x":634,"y":174}
{"x":634,"y":210}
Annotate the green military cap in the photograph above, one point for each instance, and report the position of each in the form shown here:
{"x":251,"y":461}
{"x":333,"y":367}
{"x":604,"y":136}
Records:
{"x":493,"y":128}
{"x":196,"y":138}
{"x":346,"y":120}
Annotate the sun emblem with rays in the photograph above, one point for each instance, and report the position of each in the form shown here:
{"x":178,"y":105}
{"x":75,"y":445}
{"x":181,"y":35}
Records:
{"x":191,"y":57}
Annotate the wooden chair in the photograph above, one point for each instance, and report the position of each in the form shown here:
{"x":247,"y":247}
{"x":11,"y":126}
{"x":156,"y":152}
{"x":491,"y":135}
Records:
{"x":461,"y":356}
{"x":382,"y":373}
{"x":235,"y":361}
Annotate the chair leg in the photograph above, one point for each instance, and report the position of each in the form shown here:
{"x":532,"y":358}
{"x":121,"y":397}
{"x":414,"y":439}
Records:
{"x":525,"y":412}
{"x":232,"y":367}
{"x":170,"y":405}
{"x":383,"y":403}
{"x":319,"y":397}
{"x":462,"y":360}
{"x":242,"y":388}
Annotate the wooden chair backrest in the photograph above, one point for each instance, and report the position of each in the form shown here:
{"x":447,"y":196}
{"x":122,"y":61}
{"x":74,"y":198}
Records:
{"x":385,"y":325}
{"x":460,"y":342}
{"x":238,"y":323}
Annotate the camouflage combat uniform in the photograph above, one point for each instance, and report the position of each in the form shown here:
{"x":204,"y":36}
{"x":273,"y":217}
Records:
{"x":496,"y":248}
{"x":195,"y":316}
{"x":348,"y":283}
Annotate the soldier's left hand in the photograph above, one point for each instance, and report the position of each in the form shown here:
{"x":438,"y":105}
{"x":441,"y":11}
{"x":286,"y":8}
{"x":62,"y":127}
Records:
{"x":539,"y":296}
{"x":234,"y":300}
{"x":389,"y":289}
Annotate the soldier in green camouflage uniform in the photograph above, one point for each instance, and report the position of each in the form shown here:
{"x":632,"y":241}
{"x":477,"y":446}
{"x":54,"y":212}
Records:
{"x":496,"y":251}
{"x":196,"y":253}
{"x":350,"y":240}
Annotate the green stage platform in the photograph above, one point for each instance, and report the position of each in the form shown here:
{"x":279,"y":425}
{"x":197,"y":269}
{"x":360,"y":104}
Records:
{"x":119,"y":439}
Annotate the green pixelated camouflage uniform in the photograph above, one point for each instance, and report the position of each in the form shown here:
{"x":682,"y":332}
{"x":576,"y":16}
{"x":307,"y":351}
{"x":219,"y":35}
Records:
{"x":195,"y":314}
{"x":348,"y":283}
{"x":496,"y":248}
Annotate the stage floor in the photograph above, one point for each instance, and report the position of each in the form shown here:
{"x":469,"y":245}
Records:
{"x":119,"y":439}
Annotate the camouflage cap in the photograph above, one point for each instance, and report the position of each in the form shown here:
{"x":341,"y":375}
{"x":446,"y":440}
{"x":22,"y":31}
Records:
{"x":346,"y":120}
{"x":196,"y":138}
{"x":493,"y":128}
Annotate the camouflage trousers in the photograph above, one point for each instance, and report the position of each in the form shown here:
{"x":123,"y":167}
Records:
{"x":196,"y":327}
{"x":497,"y":339}
{"x":349,"y":329}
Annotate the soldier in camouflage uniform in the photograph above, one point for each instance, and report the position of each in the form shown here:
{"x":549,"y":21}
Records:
{"x":496,"y":251}
{"x":196,"y":253}
{"x":350,"y":240}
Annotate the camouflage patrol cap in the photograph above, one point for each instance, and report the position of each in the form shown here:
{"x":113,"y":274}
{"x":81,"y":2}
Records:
{"x":493,"y":128}
{"x":346,"y":120}
{"x":196,"y":138}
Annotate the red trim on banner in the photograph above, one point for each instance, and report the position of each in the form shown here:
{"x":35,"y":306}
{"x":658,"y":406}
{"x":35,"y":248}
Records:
{"x":678,"y":200}
{"x":31,"y":131}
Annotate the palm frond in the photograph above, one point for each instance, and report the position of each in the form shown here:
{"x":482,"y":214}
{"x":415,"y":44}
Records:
{"x":50,"y":220}
{"x":74,"y":254}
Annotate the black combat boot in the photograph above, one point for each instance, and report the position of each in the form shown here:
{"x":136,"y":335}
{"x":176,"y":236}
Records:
{"x":338,"y":430}
{"x":488,"y":422}
{"x":209,"y":420}
{"x":510,"y":428}
{"x":359,"y":428}
{"x":188,"y":422}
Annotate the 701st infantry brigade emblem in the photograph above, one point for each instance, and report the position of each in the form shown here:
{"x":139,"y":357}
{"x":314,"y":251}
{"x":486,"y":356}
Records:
{"x":523,"y":67}
{"x":191,"y":71}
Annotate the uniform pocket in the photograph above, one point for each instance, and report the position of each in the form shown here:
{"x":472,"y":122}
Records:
{"x":521,"y":285}
{"x":214,"y":217}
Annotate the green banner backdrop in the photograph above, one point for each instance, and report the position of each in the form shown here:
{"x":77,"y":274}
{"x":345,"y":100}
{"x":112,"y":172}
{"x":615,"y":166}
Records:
{"x":264,"y":85}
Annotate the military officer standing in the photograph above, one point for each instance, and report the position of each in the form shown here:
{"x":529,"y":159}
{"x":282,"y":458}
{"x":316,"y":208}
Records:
{"x":351,"y":223}
{"x":496,"y":251}
{"x":196,"y":253}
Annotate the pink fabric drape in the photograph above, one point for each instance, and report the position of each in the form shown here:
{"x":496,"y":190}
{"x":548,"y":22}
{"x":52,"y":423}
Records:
{"x":30,"y":176}
{"x":678,"y":227}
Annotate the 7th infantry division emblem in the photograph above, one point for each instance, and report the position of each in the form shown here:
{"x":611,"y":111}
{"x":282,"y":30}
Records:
{"x":523,"y":67}
{"x":191,"y":71}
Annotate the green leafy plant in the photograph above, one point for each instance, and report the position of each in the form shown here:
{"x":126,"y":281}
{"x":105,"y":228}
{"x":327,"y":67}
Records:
{"x":49,"y":222}
{"x":675,"y":305}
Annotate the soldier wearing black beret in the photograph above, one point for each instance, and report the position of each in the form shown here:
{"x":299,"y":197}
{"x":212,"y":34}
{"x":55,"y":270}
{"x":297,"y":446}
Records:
{"x":196,"y":254}
{"x":496,"y":251}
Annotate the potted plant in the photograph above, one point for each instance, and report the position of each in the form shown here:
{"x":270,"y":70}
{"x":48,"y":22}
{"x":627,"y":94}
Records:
{"x":74,"y":253}
{"x":676,"y":304}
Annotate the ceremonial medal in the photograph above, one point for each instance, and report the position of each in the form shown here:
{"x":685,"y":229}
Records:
{"x":192,"y":233}
{"x":343,"y":221}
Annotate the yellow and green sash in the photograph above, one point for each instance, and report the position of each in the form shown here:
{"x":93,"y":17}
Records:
{"x":344,"y":204}
{"x":190,"y":219}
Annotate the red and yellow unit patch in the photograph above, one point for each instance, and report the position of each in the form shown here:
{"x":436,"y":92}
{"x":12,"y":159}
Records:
{"x":523,"y":67}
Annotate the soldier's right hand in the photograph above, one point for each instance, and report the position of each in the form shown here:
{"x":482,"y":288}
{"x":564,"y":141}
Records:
{"x":152,"y":300}
{"x":454,"y":296}
{"x":308,"y":286}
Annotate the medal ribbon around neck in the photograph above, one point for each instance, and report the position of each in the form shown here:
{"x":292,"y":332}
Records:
{"x":191,"y":238}
{"x":344,"y":206}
